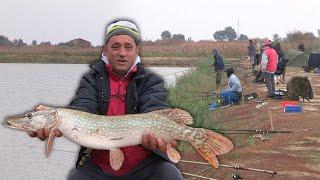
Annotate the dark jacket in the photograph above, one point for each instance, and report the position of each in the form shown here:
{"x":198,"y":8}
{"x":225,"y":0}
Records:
{"x":280,"y":53}
{"x":218,"y":62}
{"x":282,"y":62}
{"x":145,"y":92}
{"x":281,"y":66}
{"x":251,"y":50}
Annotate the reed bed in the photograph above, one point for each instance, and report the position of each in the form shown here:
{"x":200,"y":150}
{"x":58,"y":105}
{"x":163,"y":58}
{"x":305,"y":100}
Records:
{"x":181,"y":49}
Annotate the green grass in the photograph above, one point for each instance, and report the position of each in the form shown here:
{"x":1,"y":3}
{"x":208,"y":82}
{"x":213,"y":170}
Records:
{"x":183,"y":94}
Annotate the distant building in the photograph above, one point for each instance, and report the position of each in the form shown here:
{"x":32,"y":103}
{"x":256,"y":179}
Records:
{"x":79,"y":43}
{"x":47,"y":43}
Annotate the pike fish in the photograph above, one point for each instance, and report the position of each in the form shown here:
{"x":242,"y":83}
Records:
{"x":113,"y":132}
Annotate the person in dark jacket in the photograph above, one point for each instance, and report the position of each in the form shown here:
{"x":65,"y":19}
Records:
{"x":218,"y":66}
{"x":281,"y":66}
{"x":117,"y":84}
{"x":251,"y":52}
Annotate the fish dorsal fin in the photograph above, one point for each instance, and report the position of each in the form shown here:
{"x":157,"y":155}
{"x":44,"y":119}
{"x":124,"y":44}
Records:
{"x":173,"y":154}
{"x":178,"y":115}
{"x":116,"y":159}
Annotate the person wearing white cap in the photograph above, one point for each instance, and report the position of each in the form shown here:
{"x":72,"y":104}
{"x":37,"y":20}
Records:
{"x":117,"y":84}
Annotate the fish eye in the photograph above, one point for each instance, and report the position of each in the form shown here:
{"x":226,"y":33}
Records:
{"x":29,"y":115}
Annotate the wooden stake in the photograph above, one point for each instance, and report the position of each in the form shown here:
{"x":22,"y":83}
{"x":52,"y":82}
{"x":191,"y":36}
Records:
{"x":271,"y":121}
{"x":242,"y":97}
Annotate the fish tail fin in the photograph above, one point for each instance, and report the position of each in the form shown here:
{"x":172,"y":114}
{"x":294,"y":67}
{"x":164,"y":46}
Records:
{"x":209,"y":144}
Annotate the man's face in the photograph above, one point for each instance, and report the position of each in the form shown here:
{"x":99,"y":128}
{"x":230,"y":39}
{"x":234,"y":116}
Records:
{"x":122,"y":52}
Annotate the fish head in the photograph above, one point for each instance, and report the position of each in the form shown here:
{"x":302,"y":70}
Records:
{"x":32,"y":121}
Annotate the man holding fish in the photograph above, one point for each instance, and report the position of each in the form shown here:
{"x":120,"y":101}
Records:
{"x":117,"y":84}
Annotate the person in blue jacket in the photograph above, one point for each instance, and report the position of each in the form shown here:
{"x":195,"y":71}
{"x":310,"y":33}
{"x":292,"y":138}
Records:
{"x":233,"y":93}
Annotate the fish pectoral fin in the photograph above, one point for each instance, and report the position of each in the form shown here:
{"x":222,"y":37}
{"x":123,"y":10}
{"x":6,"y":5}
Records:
{"x":52,"y":136}
{"x":50,"y":143}
{"x":116,"y":159}
{"x":173,"y":154}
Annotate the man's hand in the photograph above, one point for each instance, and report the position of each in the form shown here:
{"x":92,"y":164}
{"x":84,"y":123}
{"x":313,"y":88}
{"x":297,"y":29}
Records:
{"x":150,"y":141}
{"x":43,"y":133}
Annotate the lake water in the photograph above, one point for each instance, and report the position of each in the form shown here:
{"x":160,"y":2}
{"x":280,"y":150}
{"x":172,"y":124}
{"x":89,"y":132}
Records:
{"x":22,"y":87}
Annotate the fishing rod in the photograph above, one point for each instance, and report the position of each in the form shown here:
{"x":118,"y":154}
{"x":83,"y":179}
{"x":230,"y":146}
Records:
{"x":253,"y":131}
{"x":261,"y":131}
{"x":197,"y":176}
{"x":249,"y":169}
{"x":242,"y":133}
{"x":260,"y":100}
{"x":234,"y":167}
{"x":205,"y":95}
{"x":206,"y":92}
{"x":202,"y":98}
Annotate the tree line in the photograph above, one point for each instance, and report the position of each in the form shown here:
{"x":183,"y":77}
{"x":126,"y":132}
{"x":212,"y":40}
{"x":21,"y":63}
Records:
{"x":166,"y":35}
{"x":4,"y":41}
{"x":226,"y":34}
{"x":229,"y":34}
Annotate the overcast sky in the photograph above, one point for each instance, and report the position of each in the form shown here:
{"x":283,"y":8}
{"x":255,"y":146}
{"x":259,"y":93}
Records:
{"x":63,"y":20}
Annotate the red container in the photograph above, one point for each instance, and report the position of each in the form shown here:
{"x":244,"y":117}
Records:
{"x":288,"y":103}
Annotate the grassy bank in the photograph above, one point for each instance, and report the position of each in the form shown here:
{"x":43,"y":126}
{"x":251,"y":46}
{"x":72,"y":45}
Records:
{"x":184,"y":95}
{"x":187,"y":90}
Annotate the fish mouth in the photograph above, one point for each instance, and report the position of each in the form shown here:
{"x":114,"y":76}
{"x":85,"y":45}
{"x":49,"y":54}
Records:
{"x":8,"y":122}
{"x":8,"y":125}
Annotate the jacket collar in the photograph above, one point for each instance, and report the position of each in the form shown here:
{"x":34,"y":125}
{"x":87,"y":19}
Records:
{"x":98,"y":66}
